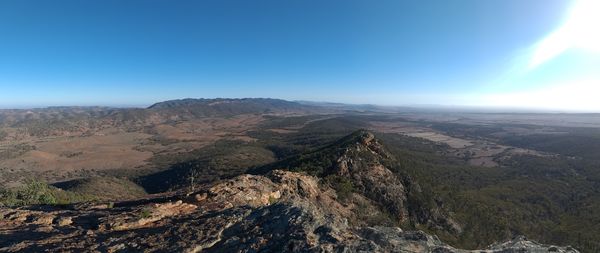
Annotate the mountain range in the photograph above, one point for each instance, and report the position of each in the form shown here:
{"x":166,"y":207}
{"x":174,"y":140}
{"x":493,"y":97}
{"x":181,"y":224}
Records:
{"x":326,"y":201}
{"x":269,"y":175}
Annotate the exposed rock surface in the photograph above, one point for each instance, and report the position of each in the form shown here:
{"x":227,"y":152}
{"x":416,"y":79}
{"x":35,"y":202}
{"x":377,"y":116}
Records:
{"x":360,"y":162}
{"x":279,"y":212}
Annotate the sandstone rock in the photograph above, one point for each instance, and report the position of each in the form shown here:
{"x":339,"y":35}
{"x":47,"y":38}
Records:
{"x":44,"y":219}
{"x":236,"y":215}
{"x":65,"y":221}
{"x":521,"y":244}
{"x":149,"y":214}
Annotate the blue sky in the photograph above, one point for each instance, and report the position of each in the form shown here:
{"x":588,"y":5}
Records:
{"x":459,"y":52}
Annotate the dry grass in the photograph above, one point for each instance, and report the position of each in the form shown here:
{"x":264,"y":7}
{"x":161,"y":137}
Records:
{"x":70,"y":155}
{"x":476,"y":152}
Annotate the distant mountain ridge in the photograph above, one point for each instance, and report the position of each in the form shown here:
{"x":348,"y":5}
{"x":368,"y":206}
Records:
{"x":216,"y":101}
{"x":180,"y":109}
{"x":228,"y":107}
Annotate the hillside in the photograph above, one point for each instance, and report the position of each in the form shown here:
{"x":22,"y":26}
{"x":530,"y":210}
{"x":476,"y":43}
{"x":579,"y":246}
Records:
{"x":471,"y":184}
{"x":104,"y":188}
{"x":278,"y":212}
{"x":223,"y":107}
{"x":351,"y":195}
{"x":364,"y":173}
{"x":162,"y":111}
{"x":63,"y":143}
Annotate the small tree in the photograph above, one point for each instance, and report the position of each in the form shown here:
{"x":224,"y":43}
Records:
{"x":193,"y":179}
{"x":3,"y":135}
{"x":34,"y":192}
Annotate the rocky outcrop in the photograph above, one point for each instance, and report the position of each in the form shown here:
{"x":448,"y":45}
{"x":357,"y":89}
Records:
{"x":278,"y":212}
{"x":361,"y":162}
{"x":521,"y":244}
{"x":374,"y":174}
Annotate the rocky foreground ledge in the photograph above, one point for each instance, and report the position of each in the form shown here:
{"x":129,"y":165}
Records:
{"x":279,"y":212}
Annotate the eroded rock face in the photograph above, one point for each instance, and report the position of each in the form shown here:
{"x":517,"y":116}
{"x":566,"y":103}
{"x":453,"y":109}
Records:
{"x":364,"y":161}
{"x":360,"y":162}
{"x":521,"y":244}
{"x":279,"y":212}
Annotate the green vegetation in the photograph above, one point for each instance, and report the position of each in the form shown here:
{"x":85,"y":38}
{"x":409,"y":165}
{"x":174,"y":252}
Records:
{"x":35,"y":192}
{"x":16,"y":151}
{"x":342,"y":185}
{"x":272,"y":200}
{"x":569,"y":141}
{"x":548,"y":199}
{"x":552,"y":199}
{"x":104,"y":188}
{"x":580,"y":143}
{"x":288,"y":122}
{"x":319,"y":132}
{"x":145,"y":213}
{"x":320,"y":161}
{"x":223,"y":159}
{"x":198,"y":108}
{"x":3,"y":135}
{"x":373,"y":216}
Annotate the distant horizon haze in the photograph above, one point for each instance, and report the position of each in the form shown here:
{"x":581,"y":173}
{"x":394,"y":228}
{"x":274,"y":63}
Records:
{"x":434,"y":107}
{"x":536,"y":54}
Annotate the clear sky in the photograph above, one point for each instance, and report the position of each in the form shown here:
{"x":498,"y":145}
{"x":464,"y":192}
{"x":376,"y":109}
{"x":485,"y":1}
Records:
{"x":515,"y":53}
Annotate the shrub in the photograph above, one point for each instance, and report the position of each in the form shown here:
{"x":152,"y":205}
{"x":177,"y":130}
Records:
{"x":36,"y":192}
{"x":3,"y":135}
{"x":144,"y":213}
{"x":343,"y":186}
{"x":272,"y":200}
{"x":33,"y":192}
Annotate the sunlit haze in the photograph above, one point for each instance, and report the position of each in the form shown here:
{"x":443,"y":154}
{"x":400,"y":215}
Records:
{"x":579,"y":31}
{"x":535,"y":54}
{"x":562,"y":87}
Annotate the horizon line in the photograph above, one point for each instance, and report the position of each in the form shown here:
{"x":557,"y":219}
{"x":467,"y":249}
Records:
{"x":426,"y":106}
